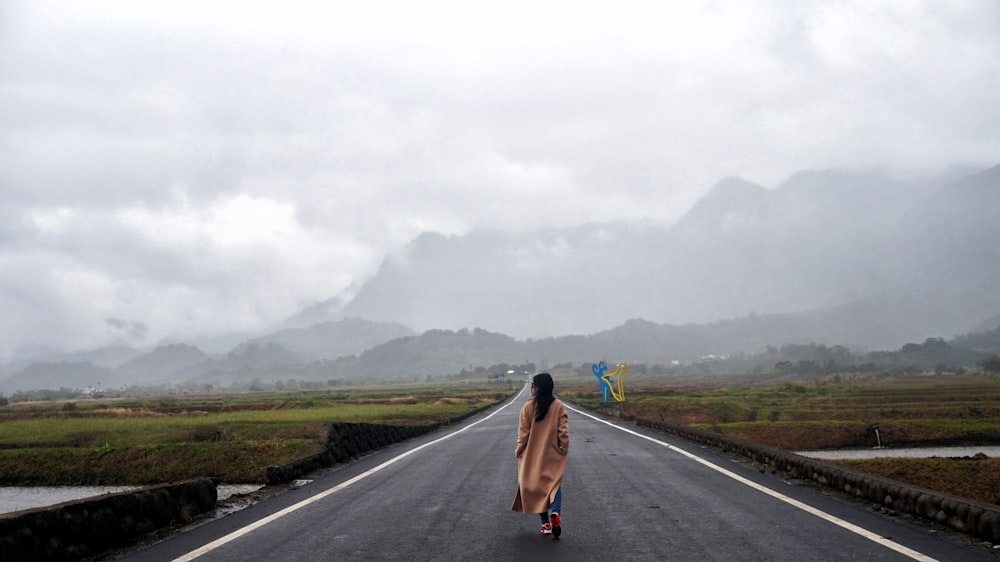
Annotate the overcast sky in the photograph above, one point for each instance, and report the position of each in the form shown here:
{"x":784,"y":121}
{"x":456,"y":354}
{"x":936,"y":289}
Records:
{"x":181,"y":168}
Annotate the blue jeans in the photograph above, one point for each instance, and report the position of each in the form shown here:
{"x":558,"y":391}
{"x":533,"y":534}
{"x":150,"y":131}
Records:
{"x":556,"y":506}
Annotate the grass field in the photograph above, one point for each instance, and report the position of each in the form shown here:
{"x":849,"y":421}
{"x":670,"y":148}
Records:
{"x":234,"y":437}
{"x":841,"y":412}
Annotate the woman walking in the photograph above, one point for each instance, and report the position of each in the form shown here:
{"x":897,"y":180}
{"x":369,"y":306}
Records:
{"x":542,"y":444}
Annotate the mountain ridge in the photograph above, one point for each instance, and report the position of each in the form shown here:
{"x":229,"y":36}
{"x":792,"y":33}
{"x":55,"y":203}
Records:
{"x":821,"y":240}
{"x":827,"y":257}
{"x":753,"y":340}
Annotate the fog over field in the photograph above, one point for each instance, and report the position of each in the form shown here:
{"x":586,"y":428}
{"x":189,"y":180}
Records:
{"x":207,"y":173}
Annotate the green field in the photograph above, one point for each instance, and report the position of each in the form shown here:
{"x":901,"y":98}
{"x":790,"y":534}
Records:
{"x":233,"y":437}
{"x":236,"y":437}
{"x":827,"y":413}
{"x":840,"y":412}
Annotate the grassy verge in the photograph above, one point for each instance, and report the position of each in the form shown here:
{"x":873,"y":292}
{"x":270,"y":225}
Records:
{"x":235,"y":438}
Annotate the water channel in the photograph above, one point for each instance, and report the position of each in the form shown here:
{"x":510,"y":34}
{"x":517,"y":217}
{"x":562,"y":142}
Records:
{"x":915,"y":453}
{"x":16,"y":498}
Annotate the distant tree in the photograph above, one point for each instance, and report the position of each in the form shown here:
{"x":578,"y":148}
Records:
{"x":935,"y":343}
{"x":808,"y":366}
{"x":986,"y":342}
{"x":992,"y":364}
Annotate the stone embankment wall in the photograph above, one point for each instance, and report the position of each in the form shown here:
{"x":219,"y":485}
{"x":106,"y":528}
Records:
{"x":961,"y":514}
{"x":87,"y":527}
{"x":345,"y":441}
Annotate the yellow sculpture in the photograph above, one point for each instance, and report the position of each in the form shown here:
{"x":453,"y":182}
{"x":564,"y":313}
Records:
{"x":612,"y":382}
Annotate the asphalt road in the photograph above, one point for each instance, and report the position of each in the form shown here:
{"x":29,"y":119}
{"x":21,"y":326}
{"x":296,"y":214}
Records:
{"x":628,"y":494}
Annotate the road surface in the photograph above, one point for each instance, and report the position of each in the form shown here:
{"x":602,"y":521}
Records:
{"x":628,"y":494}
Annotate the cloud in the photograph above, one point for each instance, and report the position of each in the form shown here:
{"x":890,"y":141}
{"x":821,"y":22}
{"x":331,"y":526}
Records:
{"x":130,"y":331}
{"x":193,"y":166}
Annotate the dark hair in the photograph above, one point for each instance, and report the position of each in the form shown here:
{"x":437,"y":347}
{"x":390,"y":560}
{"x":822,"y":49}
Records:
{"x":543,"y":394}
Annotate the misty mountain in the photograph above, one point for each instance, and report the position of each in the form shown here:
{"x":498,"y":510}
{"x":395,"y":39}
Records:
{"x":431,"y":353}
{"x":254,"y":356}
{"x":951,"y":246}
{"x":865,"y":260}
{"x":329,"y":340}
{"x":826,"y":258}
{"x":108,"y":357}
{"x":281,"y":354}
{"x":757,"y":341}
{"x":59,"y":375}
{"x":163,"y":363}
{"x":318,"y":313}
{"x":753,"y":342}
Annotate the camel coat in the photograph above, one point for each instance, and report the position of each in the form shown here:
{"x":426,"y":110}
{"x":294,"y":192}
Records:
{"x":541,"y":452}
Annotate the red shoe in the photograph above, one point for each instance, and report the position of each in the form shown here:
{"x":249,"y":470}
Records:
{"x":556,"y":525}
{"x":546,"y":529}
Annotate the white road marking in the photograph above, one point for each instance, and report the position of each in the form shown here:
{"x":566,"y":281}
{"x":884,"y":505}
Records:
{"x":292,"y":508}
{"x":332,"y":490}
{"x":793,"y":502}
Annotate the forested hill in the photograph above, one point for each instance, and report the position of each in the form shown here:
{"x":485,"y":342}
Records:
{"x":724,"y":347}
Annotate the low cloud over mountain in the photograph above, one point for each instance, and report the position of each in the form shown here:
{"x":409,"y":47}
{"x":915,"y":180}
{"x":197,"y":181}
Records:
{"x":827,"y":258}
{"x":885,"y":261}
